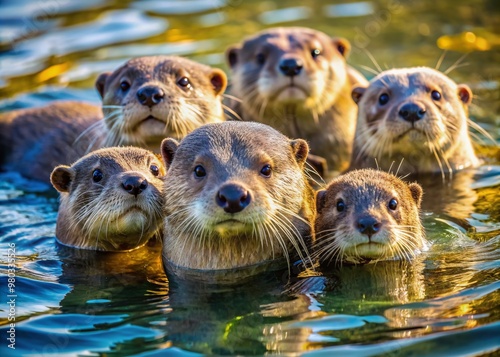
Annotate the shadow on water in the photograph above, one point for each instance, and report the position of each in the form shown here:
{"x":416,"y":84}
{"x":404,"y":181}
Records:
{"x":445,"y":302}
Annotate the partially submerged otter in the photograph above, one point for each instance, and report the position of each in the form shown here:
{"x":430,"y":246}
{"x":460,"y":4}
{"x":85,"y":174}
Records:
{"x":143,"y":101}
{"x":110,"y":199}
{"x":368,"y":215}
{"x":236,"y":196}
{"x":416,"y":117}
{"x":297,"y":80}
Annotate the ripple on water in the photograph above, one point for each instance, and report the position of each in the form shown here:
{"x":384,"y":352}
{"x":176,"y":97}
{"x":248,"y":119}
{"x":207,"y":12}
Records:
{"x":76,"y":334}
{"x":113,"y":27}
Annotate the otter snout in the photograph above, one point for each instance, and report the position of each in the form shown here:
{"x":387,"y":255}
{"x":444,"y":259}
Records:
{"x":150,"y":95}
{"x":412,"y":112}
{"x":368,"y":225}
{"x":233,"y":198}
{"x":291,"y":66}
{"x":134,"y":183}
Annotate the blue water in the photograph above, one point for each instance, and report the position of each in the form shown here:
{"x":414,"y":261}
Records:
{"x":69,"y":302}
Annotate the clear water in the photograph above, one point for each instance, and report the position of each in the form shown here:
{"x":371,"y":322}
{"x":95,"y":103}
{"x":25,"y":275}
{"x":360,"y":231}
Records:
{"x":446,"y":302}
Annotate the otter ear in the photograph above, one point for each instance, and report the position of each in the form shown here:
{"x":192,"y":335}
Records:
{"x":464,"y":93}
{"x":219,"y":80}
{"x":61,"y":178}
{"x":342,"y":45}
{"x":320,"y":200}
{"x":100,"y":82}
{"x":232,"y":55}
{"x":357,"y":93}
{"x":300,"y":150}
{"x":168,"y":148}
{"x":416,"y":193}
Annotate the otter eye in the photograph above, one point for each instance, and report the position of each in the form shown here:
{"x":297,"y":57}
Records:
{"x":260,"y":58}
{"x":315,"y":53}
{"x":154,"y":170}
{"x":125,"y":86}
{"x":435,"y":95}
{"x":340,"y":205}
{"x":393,"y":204}
{"x":184,"y":82}
{"x":97,"y":175}
{"x":266,"y":170}
{"x":383,"y":99}
{"x":199,"y":171}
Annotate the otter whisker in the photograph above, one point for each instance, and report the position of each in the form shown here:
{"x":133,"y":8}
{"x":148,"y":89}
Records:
{"x":234,"y":115}
{"x":481,"y":130}
{"x":440,"y":60}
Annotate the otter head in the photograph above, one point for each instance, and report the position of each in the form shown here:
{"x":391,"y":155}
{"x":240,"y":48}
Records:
{"x":418,"y":114}
{"x":149,"y":98}
{"x":285,"y":69}
{"x":235,"y":194}
{"x":110,"y":199}
{"x":368,"y":215}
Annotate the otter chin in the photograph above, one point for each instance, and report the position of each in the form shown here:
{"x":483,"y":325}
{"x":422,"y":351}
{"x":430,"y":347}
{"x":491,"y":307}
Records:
{"x":236,"y":197}
{"x":414,"y":118}
{"x":368,"y":215}
{"x":110,"y":199}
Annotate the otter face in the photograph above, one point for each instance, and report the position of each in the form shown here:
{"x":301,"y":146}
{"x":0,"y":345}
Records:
{"x":368,"y":215}
{"x":110,"y":199}
{"x":412,"y":112}
{"x":288,"y":67}
{"x":149,"y":98}
{"x":238,"y":186}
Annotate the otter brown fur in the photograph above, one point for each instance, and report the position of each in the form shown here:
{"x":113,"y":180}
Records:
{"x":110,"y":199}
{"x":297,"y":80}
{"x":368,"y":215}
{"x":236,"y":195}
{"x":416,"y":117}
{"x":143,"y":101}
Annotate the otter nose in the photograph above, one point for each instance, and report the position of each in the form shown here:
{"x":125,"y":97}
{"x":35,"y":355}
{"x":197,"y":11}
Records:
{"x":134,"y":184}
{"x":368,"y":225}
{"x":233,"y":198}
{"x":291,"y":66}
{"x":412,"y":112}
{"x":150,"y":95}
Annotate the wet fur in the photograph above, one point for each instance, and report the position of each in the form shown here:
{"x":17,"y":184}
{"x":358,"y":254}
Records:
{"x":278,"y":220}
{"x":368,"y":192}
{"x":325,"y":115}
{"x":91,"y":213}
{"x":383,"y":139}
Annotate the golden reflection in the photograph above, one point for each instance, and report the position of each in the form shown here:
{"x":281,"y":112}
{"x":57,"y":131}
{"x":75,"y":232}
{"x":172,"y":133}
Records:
{"x":52,"y":72}
{"x":464,"y":42}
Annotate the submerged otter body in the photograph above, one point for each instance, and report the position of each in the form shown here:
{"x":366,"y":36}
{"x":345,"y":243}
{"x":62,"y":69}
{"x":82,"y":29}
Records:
{"x":415,"y":118}
{"x":236,"y":196}
{"x":110,"y":199}
{"x":35,"y":140}
{"x":297,"y":80}
{"x":143,"y":101}
{"x":368,"y":215}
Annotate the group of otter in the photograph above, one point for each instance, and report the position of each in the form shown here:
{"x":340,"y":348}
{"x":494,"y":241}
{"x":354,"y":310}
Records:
{"x":236,"y":194}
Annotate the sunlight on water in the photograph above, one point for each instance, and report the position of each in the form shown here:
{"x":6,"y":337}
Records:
{"x":70,"y":302}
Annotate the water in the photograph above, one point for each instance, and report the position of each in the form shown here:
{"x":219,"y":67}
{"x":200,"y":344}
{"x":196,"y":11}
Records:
{"x":445,"y":302}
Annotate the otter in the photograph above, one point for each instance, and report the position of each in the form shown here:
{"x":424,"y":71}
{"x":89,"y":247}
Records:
{"x":416,"y":118}
{"x":143,"y":101}
{"x":236,"y":198}
{"x":297,"y":80}
{"x":110,"y":199}
{"x":368,"y":215}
